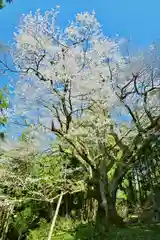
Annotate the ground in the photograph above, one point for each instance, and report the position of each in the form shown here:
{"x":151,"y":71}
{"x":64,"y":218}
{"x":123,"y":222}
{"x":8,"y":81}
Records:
{"x":67,"y":231}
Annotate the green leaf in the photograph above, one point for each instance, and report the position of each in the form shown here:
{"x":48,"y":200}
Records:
{"x":119,"y":155}
{"x":111,"y":140}
{"x":121,"y":194}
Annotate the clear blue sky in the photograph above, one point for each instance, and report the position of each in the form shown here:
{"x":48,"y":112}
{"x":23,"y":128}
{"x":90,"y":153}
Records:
{"x":138,"y":19}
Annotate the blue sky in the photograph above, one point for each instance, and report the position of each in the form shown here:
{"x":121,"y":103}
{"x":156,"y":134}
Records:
{"x":137,"y":20}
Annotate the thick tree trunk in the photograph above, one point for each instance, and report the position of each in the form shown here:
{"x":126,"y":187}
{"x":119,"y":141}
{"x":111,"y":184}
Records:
{"x":114,"y":218}
{"x":117,"y":179}
{"x":106,"y":196}
{"x":103,"y":211}
{"x":110,"y":217}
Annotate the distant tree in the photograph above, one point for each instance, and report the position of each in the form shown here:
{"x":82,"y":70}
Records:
{"x":2,"y":3}
{"x":3,"y":107}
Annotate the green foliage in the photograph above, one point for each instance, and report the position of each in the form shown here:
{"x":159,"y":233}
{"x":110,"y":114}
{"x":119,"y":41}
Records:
{"x":2,"y":3}
{"x":21,"y":219}
{"x":47,"y":172}
{"x":4,"y":104}
{"x":121,"y":195}
{"x":39,"y":233}
{"x":111,"y":140}
{"x":67,"y":230}
{"x":119,"y":155}
{"x":64,"y":230}
{"x":24,"y":137}
{"x":133,"y":233}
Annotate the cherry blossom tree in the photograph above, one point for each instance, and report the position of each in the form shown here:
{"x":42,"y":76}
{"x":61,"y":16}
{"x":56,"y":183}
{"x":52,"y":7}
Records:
{"x":72,"y":82}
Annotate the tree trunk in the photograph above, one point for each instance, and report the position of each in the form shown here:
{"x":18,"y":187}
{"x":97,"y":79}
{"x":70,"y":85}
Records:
{"x":107,"y":213}
{"x":106,"y":196}
{"x":114,"y":218}
{"x":103,"y":211}
{"x":55,"y":216}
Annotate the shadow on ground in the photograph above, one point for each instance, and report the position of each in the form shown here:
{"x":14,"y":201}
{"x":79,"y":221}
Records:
{"x":134,"y":232}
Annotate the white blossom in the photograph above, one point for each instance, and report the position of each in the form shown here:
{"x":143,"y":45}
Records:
{"x":65,"y":72}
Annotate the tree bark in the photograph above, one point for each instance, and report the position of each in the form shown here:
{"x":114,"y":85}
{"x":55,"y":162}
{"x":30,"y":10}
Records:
{"x":106,"y":195}
{"x":107,"y":212}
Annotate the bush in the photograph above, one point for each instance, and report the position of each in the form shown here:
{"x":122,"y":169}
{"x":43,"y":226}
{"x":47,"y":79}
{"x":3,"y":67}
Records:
{"x":64,"y":230}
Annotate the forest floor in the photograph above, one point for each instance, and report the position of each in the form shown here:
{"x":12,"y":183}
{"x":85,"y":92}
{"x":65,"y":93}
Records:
{"x":88,"y":231}
{"x":136,"y":232}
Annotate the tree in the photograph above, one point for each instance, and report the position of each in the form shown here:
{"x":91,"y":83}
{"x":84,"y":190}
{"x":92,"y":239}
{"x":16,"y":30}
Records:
{"x":4,"y":104}
{"x":71,"y":93}
{"x":72,"y":82}
{"x":2,"y":4}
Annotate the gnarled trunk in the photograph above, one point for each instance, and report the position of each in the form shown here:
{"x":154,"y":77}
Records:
{"x":106,"y":196}
{"x":107,"y":212}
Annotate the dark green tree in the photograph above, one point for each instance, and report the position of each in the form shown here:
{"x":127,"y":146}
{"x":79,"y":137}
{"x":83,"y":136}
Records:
{"x":2,"y":3}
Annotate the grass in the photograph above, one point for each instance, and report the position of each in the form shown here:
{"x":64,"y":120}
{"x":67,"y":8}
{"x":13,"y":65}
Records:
{"x":139,"y":232}
{"x":135,"y":233}
{"x":69,"y":231}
